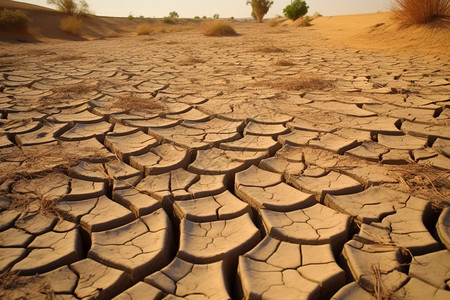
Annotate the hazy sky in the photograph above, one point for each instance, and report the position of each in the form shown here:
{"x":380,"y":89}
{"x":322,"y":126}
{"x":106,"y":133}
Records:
{"x":225,"y":8}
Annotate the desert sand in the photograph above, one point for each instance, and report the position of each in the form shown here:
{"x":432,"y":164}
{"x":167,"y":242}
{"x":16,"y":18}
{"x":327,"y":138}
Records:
{"x":281,"y":163}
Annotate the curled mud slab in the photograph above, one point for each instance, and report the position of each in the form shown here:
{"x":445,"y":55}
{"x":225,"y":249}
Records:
{"x":133,"y":175}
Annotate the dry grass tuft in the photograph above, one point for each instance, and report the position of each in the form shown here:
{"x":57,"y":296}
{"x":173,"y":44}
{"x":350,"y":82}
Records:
{"x":273,"y":22}
{"x":218,"y":28}
{"x":69,"y":57}
{"x":283,"y":63}
{"x":191,"y":60}
{"x":64,"y":93}
{"x":144,"y":29}
{"x":29,"y":162}
{"x":426,"y":182}
{"x":302,"y":22}
{"x":409,"y":12}
{"x":163,"y":27}
{"x":270,"y":49}
{"x":298,"y":84}
{"x":13,"y":20}
{"x":132,"y":101}
{"x":72,"y":25}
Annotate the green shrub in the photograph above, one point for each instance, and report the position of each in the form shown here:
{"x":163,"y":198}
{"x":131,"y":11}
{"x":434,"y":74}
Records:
{"x":71,"y":7}
{"x":259,"y":8}
{"x":196,"y":17}
{"x":130,"y":16}
{"x":72,"y":25}
{"x":14,"y":19}
{"x":296,"y":9}
{"x":216,"y":16}
{"x":410,"y":12}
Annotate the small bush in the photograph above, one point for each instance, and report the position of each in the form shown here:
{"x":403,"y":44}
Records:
{"x":144,"y":29}
{"x":218,"y":28}
{"x":410,"y":12}
{"x":296,"y":9}
{"x":216,"y":16}
{"x":72,"y":25}
{"x":170,"y":20}
{"x":316,"y":15}
{"x":71,"y":7}
{"x":196,"y":17}
{"x":272,"y":22}
{"x":130,"y":16}
{"x":13,"y":19}
{"x":303,"y":21}
{"x":173,"y":15}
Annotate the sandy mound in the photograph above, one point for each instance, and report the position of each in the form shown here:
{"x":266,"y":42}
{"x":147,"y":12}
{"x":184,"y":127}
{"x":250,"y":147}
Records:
{"x":379,"y":32}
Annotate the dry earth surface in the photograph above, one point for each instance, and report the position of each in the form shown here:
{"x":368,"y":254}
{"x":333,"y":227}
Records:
{"x":281,"y":163}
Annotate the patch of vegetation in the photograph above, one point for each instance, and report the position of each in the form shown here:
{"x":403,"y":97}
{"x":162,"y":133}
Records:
{"x":14,"y":20}
{"x":173,"y":15}
{"x":71,"y":7}
{"x":218,"y":28}
{"x":196,"y":17}
{"x":409,"y":12}
{"x":296,"y":9}
{"x":130,"y":17}
{"x":316,"y":15}
{"x":303,"y":21}
{"x":216,"y":16}
{"x":72,"y":25}
{"x":270,"y":49}
{"x":273,"y":22}
{"x":259,"y":8}
{"x":170,"y":20}
{"x":144,"y":29}
{"x":283,"y":63}
{"x":191,"y":60}
{"x":303,"y":83}
{"x":129,"y":101}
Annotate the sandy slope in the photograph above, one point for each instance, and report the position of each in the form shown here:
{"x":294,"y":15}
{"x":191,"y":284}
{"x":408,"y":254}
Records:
{"x":379,"y":32}
{"x":45,"y":22}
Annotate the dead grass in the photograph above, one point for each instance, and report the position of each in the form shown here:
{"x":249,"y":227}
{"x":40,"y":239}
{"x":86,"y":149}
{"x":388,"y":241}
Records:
{"x":191,"y":60}
{"x":270,"y":49}
{"x":144,"y":29}
{"x":273,"y":22}
{"x":303,"y":21}
{"x":64,"y":93}
{"x":409,"y":12}
{"x":132,"y":101}
{"x":283,"y":62}
{"x":72,"y":25}
{"x":162,"y":27}
{"x":426,"y":182}
{"x":218,"y":28}
{"x":297,"y":84}
{"x":69,"y":57}
{"x":14,"y":20}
